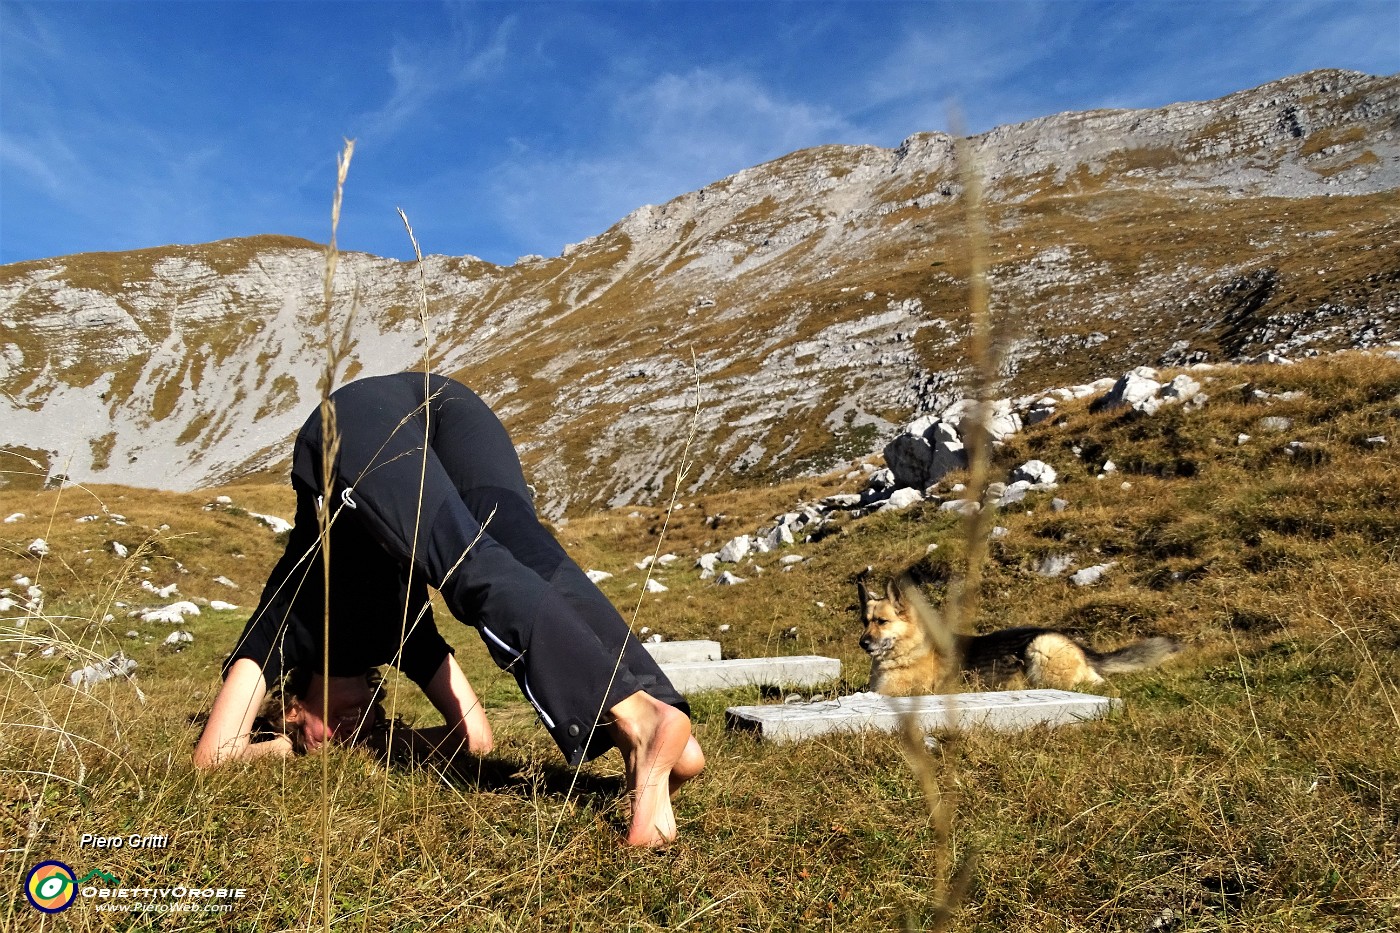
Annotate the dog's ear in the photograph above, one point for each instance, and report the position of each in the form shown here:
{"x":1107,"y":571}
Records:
{"x":892,"y":593}
{"x":862,"y":590}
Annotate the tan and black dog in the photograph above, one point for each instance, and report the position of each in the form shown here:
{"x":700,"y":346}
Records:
{"x":905,"y":661}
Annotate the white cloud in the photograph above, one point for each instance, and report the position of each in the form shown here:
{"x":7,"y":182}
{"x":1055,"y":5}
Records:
{"x":422,"y":72}
{"x":667,"y":136}
{"x":36,"y":164}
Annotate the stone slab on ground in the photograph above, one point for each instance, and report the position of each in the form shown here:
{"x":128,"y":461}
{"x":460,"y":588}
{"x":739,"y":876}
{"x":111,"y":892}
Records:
{"x":670,"y":652}
{"x":797,"y":671}
{"x":1004,"y":711}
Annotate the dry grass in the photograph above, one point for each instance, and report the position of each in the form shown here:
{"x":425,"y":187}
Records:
{"x":1251,"y":785}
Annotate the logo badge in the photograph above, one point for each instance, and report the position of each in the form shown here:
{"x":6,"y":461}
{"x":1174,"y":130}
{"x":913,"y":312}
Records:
{"x":51,"y":887}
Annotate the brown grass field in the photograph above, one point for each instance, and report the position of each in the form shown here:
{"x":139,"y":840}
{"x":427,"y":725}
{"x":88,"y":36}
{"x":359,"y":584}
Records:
{"x":1253,"y":784}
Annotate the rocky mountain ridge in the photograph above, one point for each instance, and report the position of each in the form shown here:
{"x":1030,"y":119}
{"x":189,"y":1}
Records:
{"x":792,"y":315}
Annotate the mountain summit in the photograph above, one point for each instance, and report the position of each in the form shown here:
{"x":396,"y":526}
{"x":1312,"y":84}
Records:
{"x":792,"y":314}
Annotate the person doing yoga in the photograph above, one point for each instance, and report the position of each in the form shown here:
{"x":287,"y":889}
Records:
{"x":425,"y":490}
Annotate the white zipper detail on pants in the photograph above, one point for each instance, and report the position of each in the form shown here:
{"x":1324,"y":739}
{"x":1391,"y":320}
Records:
{"x":524,"y":683}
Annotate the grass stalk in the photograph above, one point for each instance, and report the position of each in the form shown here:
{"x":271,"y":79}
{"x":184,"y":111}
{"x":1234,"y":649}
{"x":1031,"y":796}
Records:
{"x":952,"y":879}
{"x":330,"y":448}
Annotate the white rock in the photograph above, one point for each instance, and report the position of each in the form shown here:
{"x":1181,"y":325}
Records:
{"x":223,"y":500}
{"x":655,"y":586}
{"x":780,"y":535}
{"x":1241,"y":440}
{"x":791,"y":559}
{"x":736,"y":550}
{"x":7,"y":604}
{"x":644,"y":563}
{"x":12,"y":518}
{"x":1054,"y":565}
{"x":1034,"y":471}
{"x":902,"y":499}
{"x":118,"y":665}
{"x":225,"y":581}
{"x":1181,"y":389}
{"x":1014,"y":493}
{"x":120,"y":550}
{"x":218,"y":605}
{"x":728,"y":579}
{"x":164,"y":592}
{"x":598,"y":576}
{"x":278,"y":525}
{"x":176,"y":639}
{"x":39,"y":547}
{"x":1090,"y":575}
{"x":881,"y":479}
{"x":1137,"y":390}
{"x":174,"y":613}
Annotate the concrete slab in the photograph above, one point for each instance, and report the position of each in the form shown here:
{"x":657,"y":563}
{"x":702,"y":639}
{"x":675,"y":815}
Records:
{"x":797,"y":671}
{"x":1004,"y":711}
{"x":669,"y":652}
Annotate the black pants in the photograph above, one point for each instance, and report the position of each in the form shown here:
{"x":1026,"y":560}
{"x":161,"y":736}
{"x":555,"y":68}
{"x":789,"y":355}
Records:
{"x":429,"y":472}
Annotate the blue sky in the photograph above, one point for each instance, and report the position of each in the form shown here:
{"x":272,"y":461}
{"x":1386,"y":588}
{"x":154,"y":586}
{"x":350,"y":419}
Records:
{"x":511,"y":128}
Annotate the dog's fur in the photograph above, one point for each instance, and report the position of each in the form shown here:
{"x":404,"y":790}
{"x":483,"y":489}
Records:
{"x":905,"y":661}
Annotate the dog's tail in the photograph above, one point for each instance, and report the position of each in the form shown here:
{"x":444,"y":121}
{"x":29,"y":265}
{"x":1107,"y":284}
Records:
{"x":1140,"y":654}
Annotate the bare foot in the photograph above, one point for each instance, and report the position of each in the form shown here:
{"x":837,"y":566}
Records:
{"x":691,"y":763}
{"x":654,"y":737}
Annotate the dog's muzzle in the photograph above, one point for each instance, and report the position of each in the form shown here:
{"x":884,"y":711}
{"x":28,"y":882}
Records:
{"x":876,"y":647}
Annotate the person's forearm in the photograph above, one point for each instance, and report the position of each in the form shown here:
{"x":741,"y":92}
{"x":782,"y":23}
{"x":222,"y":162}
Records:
{"x":209,"y":758}
{"x":464,"y":719}
{"x":226,"y":734}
